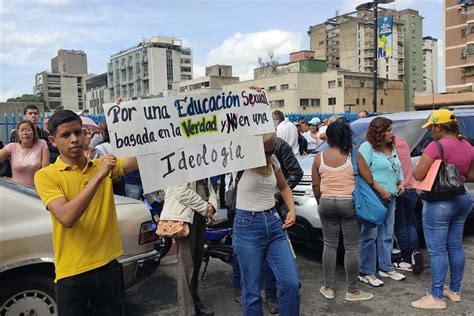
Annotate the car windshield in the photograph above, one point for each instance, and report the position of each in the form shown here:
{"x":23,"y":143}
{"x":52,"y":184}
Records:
{"x":466,"y":127}
{"x":410,"y":130}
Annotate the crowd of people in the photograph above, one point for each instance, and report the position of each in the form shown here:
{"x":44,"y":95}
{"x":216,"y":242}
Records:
{"x":78,"y":188}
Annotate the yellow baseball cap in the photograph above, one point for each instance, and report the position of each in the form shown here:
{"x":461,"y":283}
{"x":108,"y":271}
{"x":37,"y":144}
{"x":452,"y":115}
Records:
{"x":441,"y":116}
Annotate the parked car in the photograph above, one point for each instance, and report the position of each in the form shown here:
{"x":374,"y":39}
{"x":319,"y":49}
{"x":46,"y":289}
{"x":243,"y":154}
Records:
{"x":26,"y":256}
{"x":307,"y":229}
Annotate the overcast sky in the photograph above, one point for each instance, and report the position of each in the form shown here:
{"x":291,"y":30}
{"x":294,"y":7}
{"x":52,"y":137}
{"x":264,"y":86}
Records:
{"x":218,"y":31}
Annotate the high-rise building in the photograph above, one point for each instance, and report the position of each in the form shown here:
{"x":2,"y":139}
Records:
{"x":61,"y":91}
{"x":430,"y":65}
{"x":152,"y":68}
{"x":97,"y":93}
{"x":413,"y":48}
{"x":72,"y":62}
{"x":346,"y":42}
{"x":459,"y":45}
{"x":216,"y":77}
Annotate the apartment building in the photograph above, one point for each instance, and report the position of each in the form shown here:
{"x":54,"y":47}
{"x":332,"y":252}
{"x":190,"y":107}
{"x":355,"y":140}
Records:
{"x":305,"y":86}
{"x":97,"y":93}
{"x":459,"y":45}
{"x":72,"y":62}
{"x":152,"y":68}
{"x":430,"y":65}
{"x":61,"y":91}
{"x":346,"y":42}
{"x":413,"y":53}
{"x":216,"y":77}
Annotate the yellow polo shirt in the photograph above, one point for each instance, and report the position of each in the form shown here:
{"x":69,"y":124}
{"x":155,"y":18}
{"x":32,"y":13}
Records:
{"x":94,"y":240}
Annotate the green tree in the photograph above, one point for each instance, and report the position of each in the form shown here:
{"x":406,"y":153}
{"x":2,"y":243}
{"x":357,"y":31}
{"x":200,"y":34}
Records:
{"x":27,"y":98}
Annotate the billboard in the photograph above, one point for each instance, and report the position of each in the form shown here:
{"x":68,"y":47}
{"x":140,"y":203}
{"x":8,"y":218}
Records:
{"x":385,"y":37}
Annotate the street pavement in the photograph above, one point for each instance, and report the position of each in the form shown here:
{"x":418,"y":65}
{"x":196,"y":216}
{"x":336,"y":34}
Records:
{"x":157,"y":294}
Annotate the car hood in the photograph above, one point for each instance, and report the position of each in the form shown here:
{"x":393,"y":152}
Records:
{"x":306,"y":163}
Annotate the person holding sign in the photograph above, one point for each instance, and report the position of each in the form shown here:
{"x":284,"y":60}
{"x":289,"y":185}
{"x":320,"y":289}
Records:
{"x":86,"y":239}
{"x":260,"y":237}
{"x":443,"y":220}
{"x":191,"y":203}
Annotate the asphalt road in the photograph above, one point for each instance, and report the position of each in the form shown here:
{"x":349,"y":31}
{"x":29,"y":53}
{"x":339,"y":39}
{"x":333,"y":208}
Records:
{"x":157,"y":294}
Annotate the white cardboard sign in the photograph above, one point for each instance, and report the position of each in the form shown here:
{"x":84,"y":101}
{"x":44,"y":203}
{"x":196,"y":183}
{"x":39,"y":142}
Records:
{"x":165,"y":169}
{"x":148,"y":126}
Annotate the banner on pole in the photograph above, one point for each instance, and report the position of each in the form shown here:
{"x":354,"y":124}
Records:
{"x":385,"y":37}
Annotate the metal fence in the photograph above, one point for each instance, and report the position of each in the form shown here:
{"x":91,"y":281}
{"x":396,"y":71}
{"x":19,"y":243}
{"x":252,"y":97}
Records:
{"x":308,"y":116}
{"x":11,"y":120}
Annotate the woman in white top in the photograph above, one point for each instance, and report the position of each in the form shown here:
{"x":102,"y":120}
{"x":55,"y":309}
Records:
{"x":312,"y":135}
{"x":260,"y":237}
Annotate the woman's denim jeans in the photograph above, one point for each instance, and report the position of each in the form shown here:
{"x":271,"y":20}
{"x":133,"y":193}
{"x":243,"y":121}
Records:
{"x":259,"y":238}
{"x":443,"y":224}
{"x":405,"y":229}
{"x":377,"y":243}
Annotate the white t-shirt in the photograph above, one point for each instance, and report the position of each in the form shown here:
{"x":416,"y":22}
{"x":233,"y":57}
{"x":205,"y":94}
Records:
{"x":289,"y":133}
{"x":322,"y":130}
{"x":312,"y":143}
{"x":255,"y":193}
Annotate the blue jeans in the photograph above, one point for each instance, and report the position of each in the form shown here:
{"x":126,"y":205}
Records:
{"x":405,"y":229}
{"x":258,"y":239}
{"x":443,"y":224}
{"x":269,"y":281}
{"x":377,"y":243}
{"x":134,"y":191}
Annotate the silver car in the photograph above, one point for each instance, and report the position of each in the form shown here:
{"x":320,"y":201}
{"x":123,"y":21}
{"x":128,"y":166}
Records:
{"x":26,"y":249}
{"x":307,"y":229}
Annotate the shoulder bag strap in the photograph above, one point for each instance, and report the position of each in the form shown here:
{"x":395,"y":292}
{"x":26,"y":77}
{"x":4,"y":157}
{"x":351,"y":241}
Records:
{"x":440,"y":148}
{"x":354,"y":162}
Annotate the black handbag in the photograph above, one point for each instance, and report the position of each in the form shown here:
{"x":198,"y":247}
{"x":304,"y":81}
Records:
{"x":448,"y":183}
{"x":231,"y":196}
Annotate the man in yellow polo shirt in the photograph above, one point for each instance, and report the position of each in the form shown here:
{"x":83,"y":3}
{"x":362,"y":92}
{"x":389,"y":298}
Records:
{"x":86,"y":239}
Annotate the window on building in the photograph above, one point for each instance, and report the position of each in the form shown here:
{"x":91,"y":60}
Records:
{"x":185,"y":69}
{"x":304,"y":102}
{"x":363,"y":101}
{"x":331,"y":84}
{"x":362,"y":84}
{"x":332,"y":101}
{"x":339,"y":82}
{"x":277,"y":104}
{"x":357,"y":101}
{"x":284,"y":87}
{"x":381,"y":101}
{"x":315,"y":102}
{"x":272,"y":89}
{"x":321,"y":43}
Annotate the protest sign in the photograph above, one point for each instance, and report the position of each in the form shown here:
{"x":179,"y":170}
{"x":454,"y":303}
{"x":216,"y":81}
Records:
{"x":148,"y":126}
{"x":170,"y":168}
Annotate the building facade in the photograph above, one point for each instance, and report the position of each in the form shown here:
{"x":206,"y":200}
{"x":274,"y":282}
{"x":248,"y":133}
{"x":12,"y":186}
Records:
{"x":430,"y":65}
{"x":346,"y":42}
{"x":97,"y":93}
{"x":459,"y":45}
{"x":299,"y":88}
{"x":152,"y":68}
{"x":216,"y":77}
{"x":61,"y":91}
{"x":72,"y":62}
{"x":413,"y":53}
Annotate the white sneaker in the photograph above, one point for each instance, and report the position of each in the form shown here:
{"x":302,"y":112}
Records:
{"x":394,"y":275}
{"x":371,"y":280}
{"x":402,"y":265}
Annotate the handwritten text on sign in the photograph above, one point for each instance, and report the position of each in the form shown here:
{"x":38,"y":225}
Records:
{"x":199,"y":162}
{"x":161,"y":124}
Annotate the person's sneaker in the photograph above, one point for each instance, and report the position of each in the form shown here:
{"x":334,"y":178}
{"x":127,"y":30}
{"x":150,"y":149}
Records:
{"x":238,"y":296}
{"x":327,"y":292}
{"x":394,"y":275}
{"x":358,"y":296}
{"x":371,"y":280}
{"x":402,"y":265}
{"x":453,"y":297}
{"x":428,"y":302}
{"x":417,"y":262}
{"x":272,"y":304}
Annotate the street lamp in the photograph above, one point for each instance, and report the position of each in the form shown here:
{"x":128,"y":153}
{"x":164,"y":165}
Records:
{"x":365,"y":7}
{"x":432,"y":90}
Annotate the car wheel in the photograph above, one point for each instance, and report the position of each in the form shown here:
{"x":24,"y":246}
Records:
{"x":34,"y":295}
{"x":163,"y":245}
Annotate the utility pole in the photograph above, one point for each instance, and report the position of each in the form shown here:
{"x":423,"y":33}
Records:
{"x":376,"y":68}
